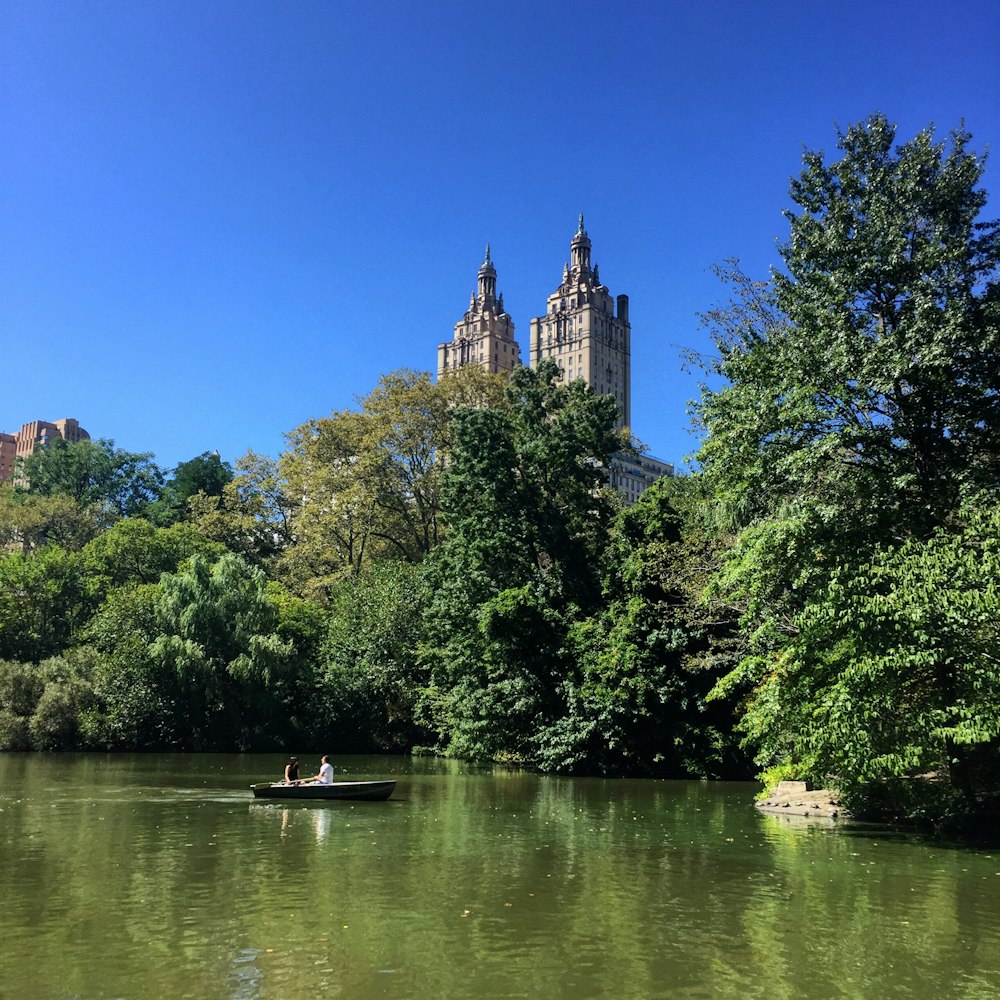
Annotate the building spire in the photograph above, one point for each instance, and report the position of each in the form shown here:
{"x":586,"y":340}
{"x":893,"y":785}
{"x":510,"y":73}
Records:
{"x":487,"y":290}
{"x":580,"y":252}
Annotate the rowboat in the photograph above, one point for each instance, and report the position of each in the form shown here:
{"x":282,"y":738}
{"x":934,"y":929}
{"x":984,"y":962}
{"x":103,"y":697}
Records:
{"x":372,"y":791}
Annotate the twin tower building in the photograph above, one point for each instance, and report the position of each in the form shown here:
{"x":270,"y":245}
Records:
{"x":584,"y":330}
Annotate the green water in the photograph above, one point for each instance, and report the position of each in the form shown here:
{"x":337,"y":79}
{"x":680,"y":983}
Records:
{"x":136,"y":876}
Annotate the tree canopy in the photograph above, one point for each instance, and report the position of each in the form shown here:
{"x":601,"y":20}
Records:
{"x":122,"y":483}
{"x":860,"y":404}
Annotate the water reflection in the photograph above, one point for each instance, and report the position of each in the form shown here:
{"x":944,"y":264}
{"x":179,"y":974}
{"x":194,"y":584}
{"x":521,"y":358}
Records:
{"x":246,"y":976}
{"x":469,"y":883}
{"x":316,"y":816}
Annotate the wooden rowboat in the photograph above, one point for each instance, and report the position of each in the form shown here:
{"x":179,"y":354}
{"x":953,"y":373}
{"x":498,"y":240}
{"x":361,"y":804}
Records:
{"x":372,"y":791}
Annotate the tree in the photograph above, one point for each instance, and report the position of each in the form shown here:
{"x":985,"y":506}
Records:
{"x":369,"y":675}
{"x":892,"y":672}
{"x":139,"y":698}
{"x":252,"y":515}
{"x":528,"y":516}
{"x":218,"y":631}
{"x":43,"y":600}
{"x":134,"y":552}
{"x":367,"y":481}
{"x":645,"y":663}
{"x":42,"y":706}
{"x":205,"y":474}
{"x":122,"y":483}
{"x":28,"y":522}
{"x":862,"y":399}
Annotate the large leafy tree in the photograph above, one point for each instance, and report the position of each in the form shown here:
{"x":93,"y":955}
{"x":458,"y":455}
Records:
{"x":218,"y":633}
{"x":210,"y":658}
{"x":368,"y":675}
{"x":43,"y":600}
{"x":252,"y":515}
{"x":651,"y":655}
{"x":134,"y":552}
{"x":122,"y":483}
{"x":367,"y":482}
{"x":140,"y":700}
{"x":528,"y":516}
{"x":892,"y":671}
{"x":861,"y":398}
{"x":206,"y":474}
{"x":28,"y":522}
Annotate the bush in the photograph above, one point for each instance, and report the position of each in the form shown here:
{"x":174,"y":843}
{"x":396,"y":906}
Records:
{"x":14,"y":733}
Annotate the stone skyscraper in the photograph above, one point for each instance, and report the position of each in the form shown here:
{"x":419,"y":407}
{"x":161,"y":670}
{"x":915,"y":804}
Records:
{"x":485,"y":334}
{"x":582,"y":331}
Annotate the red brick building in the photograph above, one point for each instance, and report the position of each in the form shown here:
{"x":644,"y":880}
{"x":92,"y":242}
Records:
{"x":35,"y":435}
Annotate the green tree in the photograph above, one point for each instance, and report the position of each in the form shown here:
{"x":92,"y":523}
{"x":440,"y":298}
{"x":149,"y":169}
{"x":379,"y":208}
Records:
{"x":57,"y":722}
{"x":43,"y":705}
{"x":252,"y":514}
{"x":892,"y":672}
{"x":369,"y":675}
{"x":218,"y":630}
{"x":133,"y":552}
{"x":122,"y":483}
{"x":861,"y":399}
{"x":646,"y":662}
{"x":28,"y":522}
{"x":21,"y":686}
{"x":43,"y":600}
{"x":528,"y":517}
{"x":368,"y":481}
{"x":206,"y":474}
{"x":139,"y":702}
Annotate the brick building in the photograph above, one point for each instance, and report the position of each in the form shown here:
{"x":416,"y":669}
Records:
{"x":34,"y":435}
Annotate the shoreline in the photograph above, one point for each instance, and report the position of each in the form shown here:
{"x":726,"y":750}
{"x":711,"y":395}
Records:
{"x":794,"y":798}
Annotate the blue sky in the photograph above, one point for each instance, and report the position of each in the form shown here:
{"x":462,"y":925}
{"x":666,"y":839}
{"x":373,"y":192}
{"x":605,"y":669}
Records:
{"x":219,"y":219}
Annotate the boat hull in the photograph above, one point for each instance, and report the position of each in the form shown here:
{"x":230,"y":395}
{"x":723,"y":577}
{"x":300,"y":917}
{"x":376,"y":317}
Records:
{"x":370,"y":791}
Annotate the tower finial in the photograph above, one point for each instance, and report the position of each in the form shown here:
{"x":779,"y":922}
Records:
{"x":580,"y":230}
{"x":487,"y":261}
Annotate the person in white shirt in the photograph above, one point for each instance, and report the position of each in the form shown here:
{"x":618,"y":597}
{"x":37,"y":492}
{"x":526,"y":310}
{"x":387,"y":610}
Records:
{"x":325,"y":776}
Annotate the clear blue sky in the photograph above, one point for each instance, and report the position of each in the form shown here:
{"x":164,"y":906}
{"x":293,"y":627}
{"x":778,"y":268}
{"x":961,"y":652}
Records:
{"x":219,"y":219}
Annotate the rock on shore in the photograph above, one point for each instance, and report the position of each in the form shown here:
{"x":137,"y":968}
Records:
{"x":795,"y":798}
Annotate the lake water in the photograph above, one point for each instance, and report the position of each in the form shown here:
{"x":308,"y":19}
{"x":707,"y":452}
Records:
{"x":144,"y":876}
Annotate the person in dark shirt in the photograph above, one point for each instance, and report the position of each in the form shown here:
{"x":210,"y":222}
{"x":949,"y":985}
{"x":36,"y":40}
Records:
{"x":292,"y":770}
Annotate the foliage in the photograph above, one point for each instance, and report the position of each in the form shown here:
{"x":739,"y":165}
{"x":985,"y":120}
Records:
{"x":66,"y":698}
{"x":21,"y":686}
{"x":217,"y":630}
{"x":41,"y":704}
{"x":27,"y":522}
{"x":133,"y":552}
{"x":861,"y":400}
{"x":368,"y":481}
{"x":528,"y":521}
{"x":139,"y":703}
{"x":368,"y":678}
{"x":42,"y":600}
{"x":648,"y":660}
{"x":205,"y":474}
{"x":252,"y":514}
{"x":893,"y":673}
{"x":122,"y":483}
